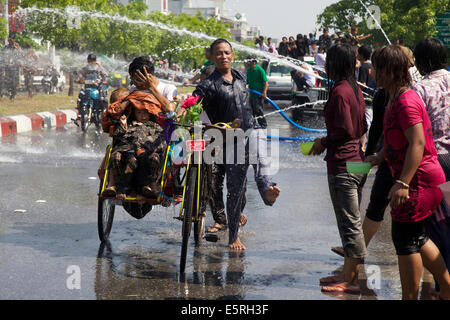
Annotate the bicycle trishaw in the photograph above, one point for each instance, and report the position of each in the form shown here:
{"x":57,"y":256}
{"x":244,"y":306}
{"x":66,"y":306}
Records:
{"x":185,"y":182}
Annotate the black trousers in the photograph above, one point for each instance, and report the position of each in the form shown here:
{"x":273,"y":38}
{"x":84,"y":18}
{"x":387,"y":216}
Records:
{"x":257,"y":107}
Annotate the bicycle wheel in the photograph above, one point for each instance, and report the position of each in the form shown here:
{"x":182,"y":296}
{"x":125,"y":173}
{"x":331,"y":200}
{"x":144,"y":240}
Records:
{"x":199,"y":228}
{"x":105,"y":216}
{"x":205,"y":192}
{"x":189,"y":205}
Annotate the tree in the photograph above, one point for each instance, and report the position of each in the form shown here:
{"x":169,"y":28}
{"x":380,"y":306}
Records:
{"x":3,"y":30}
{"x":128,"y":34}
{"x":410,"y":20}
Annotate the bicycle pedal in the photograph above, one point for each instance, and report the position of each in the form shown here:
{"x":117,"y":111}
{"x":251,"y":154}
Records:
{"x":211,"y":237}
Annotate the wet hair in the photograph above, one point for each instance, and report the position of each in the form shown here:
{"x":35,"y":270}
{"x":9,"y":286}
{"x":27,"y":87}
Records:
{"x":430,"y":55}
{"x":392,"y":67}
{"x":117,"y":93}
{"x":365,"y":52}
{"x":139,"y":63}
{"x":375,"y":55}
{"x":219,"y":41}
{"x":91,"y":57}
{"x":341,"y":65}
{"x":251,"y":58}
{"x":408,"y":52}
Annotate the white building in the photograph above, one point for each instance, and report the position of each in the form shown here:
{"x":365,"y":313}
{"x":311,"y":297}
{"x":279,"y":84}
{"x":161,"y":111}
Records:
{"x":152,"y":5}
{"x":239,"y":28}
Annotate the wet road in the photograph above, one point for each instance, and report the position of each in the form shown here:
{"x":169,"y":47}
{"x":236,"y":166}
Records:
{"x":48,"y":233}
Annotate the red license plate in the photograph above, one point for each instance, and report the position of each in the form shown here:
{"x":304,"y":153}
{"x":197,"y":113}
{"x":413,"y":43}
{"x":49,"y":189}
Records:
{"x":195,"y":145}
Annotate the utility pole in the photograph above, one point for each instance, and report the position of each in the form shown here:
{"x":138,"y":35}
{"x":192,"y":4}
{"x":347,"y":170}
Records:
{"x":6,"y":16}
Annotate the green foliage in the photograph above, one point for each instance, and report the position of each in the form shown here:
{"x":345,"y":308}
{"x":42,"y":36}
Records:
{"x":410,"y":20}
{"x":3,"y":30}
{"x":115,"y":37}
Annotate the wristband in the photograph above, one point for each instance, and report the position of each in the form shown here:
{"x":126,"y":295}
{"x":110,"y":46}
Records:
{"x":404,"y":185}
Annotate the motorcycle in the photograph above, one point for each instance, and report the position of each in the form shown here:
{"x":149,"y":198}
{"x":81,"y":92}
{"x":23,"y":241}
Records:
{"x":90,"y":104}
{"x":49,"y":81}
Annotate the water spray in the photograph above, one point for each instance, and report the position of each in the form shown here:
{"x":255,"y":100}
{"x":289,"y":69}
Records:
{"x":376,"y":21}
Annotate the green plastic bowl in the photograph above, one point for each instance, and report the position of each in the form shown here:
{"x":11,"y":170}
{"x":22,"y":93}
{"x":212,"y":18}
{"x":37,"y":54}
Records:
{"x":306,"y":147}
{"x":358,"y":167}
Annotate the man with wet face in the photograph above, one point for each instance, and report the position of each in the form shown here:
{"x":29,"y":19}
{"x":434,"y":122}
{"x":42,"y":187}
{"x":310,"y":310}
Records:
{"x":225,"y":98}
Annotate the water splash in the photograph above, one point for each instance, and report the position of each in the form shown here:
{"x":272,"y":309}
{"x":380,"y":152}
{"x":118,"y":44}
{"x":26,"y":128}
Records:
{"x":376,"y":21}
{"x":26,"y":12}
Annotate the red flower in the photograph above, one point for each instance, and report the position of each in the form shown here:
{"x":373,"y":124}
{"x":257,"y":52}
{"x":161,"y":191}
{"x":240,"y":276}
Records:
{"x":189,"y":102}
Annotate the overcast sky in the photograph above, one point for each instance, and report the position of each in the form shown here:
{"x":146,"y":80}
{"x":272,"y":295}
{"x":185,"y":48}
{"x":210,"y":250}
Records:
{"x":278,"y":18}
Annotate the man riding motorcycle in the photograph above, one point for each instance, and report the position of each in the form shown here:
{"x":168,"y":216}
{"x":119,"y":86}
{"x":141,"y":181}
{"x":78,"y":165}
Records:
{"x":93,"y":76}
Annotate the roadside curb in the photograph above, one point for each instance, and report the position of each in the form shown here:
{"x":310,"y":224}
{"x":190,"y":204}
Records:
{"x":11,"y":125}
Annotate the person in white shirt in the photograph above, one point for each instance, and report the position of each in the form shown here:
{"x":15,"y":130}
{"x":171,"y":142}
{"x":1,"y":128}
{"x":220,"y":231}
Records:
{"x":321,"y":57}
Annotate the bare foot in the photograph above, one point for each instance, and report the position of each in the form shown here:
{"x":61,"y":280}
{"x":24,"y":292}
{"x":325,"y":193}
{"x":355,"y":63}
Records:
{"x":272,"y":194}
{"x":237,"y":245}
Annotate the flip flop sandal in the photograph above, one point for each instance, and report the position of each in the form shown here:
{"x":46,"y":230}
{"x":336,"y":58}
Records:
{"x":330,"y":280}
{"x":338,"y":250}
{"x":340,"y":289}
{"x":218,"y":229}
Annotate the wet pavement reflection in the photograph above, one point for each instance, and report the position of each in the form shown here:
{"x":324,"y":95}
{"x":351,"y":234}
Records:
{"x":51,"y":176}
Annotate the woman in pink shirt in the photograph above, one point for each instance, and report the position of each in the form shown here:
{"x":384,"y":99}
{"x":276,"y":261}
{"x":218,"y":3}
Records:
{"x":411,"y":155}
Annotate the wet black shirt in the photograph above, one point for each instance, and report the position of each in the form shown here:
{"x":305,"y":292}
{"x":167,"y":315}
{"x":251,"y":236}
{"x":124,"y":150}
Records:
{"x":225,"y":101}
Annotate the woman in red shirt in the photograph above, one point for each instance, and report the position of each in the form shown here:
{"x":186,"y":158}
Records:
{"x":412,"y":158}
{"x":346,"y":125}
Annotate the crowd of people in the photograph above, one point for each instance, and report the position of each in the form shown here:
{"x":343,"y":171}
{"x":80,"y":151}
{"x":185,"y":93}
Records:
{"x":16,"y":61}
{"x":309,"y":45}
{"x":408,"y":139}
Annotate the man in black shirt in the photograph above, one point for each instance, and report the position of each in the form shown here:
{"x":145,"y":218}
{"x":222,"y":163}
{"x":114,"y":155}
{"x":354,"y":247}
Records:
{"x":283,"y":47}
{"x":225,"y":98}
{"x":325,"y":40}
{"x":364,"y":76}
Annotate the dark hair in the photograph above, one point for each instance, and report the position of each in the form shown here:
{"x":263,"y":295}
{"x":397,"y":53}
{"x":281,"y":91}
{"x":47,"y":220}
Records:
{"x":392,"y":64}
{"x":139,"y":63}
{"x":117,"y":93}
{"x":341,"y":65}
{"x":299,"y":36}
{"x":219,"y":41}
{"x":375,"y":55}
{"x":365,"y":52}
{"x":430,"y":55}
{"x":91,"y":57}
{"x":284,"y":38}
